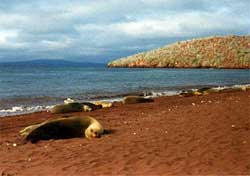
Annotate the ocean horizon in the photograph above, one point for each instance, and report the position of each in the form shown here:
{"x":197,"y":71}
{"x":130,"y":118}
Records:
{"x":30,"y":87}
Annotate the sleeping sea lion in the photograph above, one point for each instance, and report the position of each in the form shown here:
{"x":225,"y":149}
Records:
{"x":103,"y":104}
{"x":64,"y":128}
{"x":136,"y":99}
{"x":66,"y":108}
{"x":90,"y":106}
{"x":189,"y":93}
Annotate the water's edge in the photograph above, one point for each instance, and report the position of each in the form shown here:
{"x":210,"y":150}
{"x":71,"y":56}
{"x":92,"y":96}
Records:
{"x":20,"y":110}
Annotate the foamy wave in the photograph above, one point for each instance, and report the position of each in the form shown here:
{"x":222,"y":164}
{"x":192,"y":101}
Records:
{"x":18,"y":110}
{"x":162,"y":93}
{"x":233,"y":86}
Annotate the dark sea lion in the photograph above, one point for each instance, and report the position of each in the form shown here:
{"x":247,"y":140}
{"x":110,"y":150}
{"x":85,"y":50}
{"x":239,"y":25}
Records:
{"x":136,"y":99}
{"x":66,"y":108}
{"x":231,"y":89}
{"x":64,"y":128}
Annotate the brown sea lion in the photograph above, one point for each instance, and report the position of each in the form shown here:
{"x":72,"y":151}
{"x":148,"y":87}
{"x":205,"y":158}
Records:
{"x":136,"y":99}
{"x":64,"y":128}
{"x":189,"y":93}
{"x":104,"y":104}
{"x":67,"y":108}
{"x":90,"y":106}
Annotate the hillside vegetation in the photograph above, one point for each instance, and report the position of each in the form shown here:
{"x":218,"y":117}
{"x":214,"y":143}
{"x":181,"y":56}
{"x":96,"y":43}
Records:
{"x":211,"y":52}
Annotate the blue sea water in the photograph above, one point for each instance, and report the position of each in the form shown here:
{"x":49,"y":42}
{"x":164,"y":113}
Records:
{"x":23,"y":87}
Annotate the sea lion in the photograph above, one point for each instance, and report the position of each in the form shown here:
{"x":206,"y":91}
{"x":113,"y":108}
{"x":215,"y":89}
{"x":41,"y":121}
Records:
{"x":189,"y":93}
{"x":231,"y":89}
{"x":136,"y":99}
{"x":90,"y":106}
{"x":86,"y":108}
{"x":64,"y":128}
{"x":103,"y":104}
{"x":66,"y":108}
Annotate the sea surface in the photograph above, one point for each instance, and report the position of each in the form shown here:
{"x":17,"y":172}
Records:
{"x":28,"y":88}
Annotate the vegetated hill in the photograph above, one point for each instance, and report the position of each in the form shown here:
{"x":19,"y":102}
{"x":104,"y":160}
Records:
{"x":211,"y":52}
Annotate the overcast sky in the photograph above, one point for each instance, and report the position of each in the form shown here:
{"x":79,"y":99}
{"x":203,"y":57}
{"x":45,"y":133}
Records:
{"x":101,"y":30}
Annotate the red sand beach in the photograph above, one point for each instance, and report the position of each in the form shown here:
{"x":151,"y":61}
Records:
{"x":175,"y":135}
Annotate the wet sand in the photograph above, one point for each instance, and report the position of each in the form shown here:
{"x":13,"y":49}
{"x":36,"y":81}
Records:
{"x":197,"y":135}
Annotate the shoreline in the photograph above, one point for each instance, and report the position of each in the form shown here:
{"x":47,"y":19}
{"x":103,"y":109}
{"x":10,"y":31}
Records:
{"x":22,"y":110}
{"x":206,"y":134}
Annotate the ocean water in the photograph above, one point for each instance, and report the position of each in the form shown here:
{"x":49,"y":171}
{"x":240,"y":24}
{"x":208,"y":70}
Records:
{"x":29,"y":88}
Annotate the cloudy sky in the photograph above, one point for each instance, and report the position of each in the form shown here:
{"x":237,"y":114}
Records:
{"x":101,"y":30}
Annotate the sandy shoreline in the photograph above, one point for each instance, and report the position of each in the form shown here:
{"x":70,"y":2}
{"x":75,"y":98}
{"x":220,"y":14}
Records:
{"x":173,"y":135}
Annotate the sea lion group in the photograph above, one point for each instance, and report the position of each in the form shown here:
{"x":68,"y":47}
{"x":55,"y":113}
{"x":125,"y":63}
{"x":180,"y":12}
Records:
{"x":208,"y":90}
{"x":74,"y":126}
{"x":89,"y":127}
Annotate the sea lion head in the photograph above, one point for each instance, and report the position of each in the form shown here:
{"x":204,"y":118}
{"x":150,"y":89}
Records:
{"x":95,"y":130}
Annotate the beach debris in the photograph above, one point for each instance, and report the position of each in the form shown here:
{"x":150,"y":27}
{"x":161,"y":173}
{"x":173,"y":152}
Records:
{"x":193,"y":104}
{"x":166,"y":132}
{"x":29,"y":159}
{"x":136,"y":99}
{"x":209,"y":101}
{"x":244,"y":142}
{"x":69,"y":100}
{"x":14,"y":144}
{"x":233,"y":126}
{"x":202,"y":101}
{"x":134,"y":133}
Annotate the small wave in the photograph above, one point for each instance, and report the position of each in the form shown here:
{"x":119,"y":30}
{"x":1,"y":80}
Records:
{"x":18,"y":110}
{"x":161,"y":93}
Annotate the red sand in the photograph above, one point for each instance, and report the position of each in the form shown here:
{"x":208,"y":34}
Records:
{"x":173,"y":135}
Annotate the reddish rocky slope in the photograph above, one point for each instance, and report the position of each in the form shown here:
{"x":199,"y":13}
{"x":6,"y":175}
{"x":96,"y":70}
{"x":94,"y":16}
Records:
{"x":211,"y":52}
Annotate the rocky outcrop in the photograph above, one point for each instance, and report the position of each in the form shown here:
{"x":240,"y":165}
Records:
{"x":211,"y":52}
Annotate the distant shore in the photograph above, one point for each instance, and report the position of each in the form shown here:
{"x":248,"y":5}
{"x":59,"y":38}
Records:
{"x":202,"y":135}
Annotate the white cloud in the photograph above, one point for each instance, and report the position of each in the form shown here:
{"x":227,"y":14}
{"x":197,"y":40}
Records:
{"x":52,"y":45}
{"x":111,"y":28}
{"x":6,"y":35}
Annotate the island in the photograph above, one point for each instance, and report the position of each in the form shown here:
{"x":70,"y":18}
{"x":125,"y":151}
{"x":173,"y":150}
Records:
{"x":211,"y":52}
